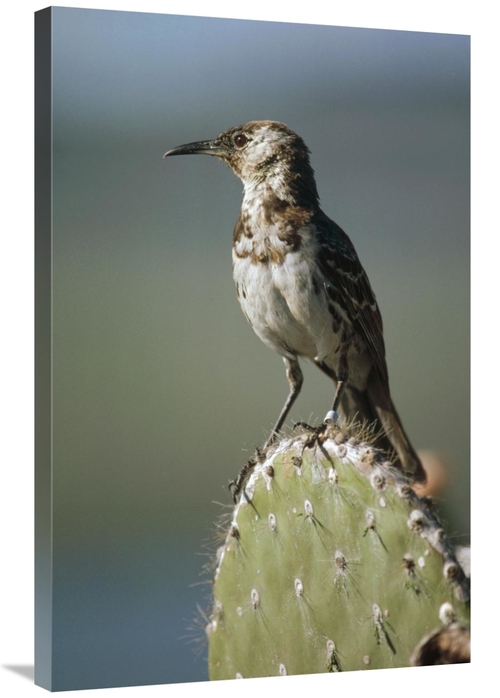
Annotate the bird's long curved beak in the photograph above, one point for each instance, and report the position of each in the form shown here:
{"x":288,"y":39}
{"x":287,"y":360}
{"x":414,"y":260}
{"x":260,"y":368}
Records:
{"x":214,"y":147}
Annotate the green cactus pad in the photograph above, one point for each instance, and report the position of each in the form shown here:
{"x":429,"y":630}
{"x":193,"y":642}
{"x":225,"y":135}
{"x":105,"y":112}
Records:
{"x":331,"y":563}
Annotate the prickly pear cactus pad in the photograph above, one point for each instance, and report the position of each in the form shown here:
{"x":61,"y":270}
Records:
{"x":330,"y":563}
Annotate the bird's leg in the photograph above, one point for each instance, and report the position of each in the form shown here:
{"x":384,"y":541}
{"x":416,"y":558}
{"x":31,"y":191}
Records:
{"x":333,"y":415}
{"x":295,"y":379}
{"x":340,"y":379}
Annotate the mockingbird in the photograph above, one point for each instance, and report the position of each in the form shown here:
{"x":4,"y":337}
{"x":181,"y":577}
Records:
{"x":300,"y":283}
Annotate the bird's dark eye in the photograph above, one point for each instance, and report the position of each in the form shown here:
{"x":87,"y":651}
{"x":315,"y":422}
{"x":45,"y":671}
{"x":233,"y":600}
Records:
{"x":240,"y":140}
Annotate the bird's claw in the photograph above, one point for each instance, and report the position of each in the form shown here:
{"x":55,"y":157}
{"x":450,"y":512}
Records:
{"x":304,"y":425}
{"x":236,"y":486}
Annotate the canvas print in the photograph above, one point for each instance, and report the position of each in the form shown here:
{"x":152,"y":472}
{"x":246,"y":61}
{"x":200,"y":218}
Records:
{"x":252,"y":379}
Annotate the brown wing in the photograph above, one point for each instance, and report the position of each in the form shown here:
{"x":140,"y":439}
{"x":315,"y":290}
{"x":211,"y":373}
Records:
{"x":348,"y":287}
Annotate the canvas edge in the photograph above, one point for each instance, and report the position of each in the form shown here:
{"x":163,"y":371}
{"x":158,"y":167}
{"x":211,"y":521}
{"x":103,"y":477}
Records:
{"x":43,"y":348}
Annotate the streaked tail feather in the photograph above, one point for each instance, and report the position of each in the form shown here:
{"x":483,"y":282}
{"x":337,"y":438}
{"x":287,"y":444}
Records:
{"x":374,"y":406}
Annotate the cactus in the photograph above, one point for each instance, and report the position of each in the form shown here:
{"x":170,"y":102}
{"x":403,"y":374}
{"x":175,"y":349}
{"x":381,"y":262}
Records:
{"x":330,"y":563}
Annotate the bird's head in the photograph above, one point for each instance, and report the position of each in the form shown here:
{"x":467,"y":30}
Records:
{"x":262,"y":151}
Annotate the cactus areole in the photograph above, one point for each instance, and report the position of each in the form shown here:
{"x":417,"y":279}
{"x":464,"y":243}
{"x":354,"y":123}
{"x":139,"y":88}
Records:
{"x":331,"y":563}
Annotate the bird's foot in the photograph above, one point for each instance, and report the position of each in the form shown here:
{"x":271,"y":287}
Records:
{"x":316,"y":434}
{"x":238,"y":485}
{"x":331,"y":420}
{"x":305,"y":426}
{"x":320,"y":433}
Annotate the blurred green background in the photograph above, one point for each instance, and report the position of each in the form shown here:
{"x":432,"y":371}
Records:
{"x":161,"y":389}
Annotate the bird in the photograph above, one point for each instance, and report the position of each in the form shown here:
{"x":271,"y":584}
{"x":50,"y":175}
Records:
{"x":301,"y":285}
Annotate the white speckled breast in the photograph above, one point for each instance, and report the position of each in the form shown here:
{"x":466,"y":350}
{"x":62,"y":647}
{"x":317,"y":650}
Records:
{"x":280,"y":303}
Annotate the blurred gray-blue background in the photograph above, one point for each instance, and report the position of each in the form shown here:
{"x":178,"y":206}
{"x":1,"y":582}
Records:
{"x":161,"y":389}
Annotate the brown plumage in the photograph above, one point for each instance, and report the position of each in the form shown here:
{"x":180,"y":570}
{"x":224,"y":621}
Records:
{"x":300,"y":282}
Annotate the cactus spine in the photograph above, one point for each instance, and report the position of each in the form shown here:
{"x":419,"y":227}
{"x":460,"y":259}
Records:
{"x":331,"y":563}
